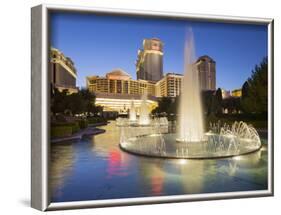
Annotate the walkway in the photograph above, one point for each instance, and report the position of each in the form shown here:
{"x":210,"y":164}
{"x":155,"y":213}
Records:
{"x":79,"y":135}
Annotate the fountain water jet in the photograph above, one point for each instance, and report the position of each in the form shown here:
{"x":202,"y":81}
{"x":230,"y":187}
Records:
{"x":144,"y":118}
{"x":190,"y":110}
{"x":132,"y":113}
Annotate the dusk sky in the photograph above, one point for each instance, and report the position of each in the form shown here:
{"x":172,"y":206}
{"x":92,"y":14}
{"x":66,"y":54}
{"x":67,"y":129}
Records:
{"x":99,"y":44}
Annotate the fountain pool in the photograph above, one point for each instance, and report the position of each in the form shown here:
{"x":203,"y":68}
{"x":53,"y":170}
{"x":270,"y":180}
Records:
{"x":157,"y":141}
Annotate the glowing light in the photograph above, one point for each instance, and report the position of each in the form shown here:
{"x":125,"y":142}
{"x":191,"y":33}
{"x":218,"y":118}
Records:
{"x":246,"y":139}
{"x":209,"y":133}
{"x":238,"y":158}
{"x":155,"y":135}
{"x":182,"y":161}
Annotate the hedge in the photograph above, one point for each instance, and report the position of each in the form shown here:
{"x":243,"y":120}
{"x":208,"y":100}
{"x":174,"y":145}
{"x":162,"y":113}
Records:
{"x":75,"y":128}
{"x":93,"y":120}
{"x":61,"y":131}
{"x":83,"y":123}
{"x":74,"y":125}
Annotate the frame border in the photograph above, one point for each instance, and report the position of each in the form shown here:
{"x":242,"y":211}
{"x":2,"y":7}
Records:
{"x":40,"y":107}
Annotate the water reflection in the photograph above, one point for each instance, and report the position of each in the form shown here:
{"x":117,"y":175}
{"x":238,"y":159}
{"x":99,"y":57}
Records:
{"x":96,"y":168}
{"x":62,"y":158}
{"x":115,"y":165}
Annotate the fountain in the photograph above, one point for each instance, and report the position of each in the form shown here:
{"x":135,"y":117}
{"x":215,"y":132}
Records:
{"x":151,"y":138}
{"x":190,"y":110}
{"x":122,"y":121}
{"x":163,"y":121}
{"x":144,"y":118}
{"x":132,"y":113}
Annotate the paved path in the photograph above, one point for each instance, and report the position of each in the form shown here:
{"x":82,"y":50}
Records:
{"x":79,"y":135}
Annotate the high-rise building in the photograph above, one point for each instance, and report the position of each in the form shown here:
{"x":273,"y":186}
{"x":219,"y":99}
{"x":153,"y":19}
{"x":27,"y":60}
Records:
{"x":206,"y":68}
{"x":63,"y":74}
{"x":169,"y":85}
{"x":149,"y":64}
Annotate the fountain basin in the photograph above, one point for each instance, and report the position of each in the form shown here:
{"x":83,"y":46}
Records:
{"x":167,"y":146}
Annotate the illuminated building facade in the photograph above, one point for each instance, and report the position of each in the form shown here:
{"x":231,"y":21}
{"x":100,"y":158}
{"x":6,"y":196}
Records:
{"x":169,"y":86}
{"x":149,"y":64}
{"x":206,"y":68}
{"x":119,"y":82}
{"x":225,"y":93}
{"x":63,"y":74}
{"x":117,"y":90}
{"x":236,"y":93}
{"x":122,"y":102}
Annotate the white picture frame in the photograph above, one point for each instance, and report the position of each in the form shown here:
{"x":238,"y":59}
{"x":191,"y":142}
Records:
{"x":40,"y":106}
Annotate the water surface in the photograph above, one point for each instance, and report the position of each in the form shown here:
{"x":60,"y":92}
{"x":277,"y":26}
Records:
{"x":95,"y":168}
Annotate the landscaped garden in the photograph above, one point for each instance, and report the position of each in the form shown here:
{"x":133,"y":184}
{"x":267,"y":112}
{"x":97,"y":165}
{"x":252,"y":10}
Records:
{"x":71,"y":113}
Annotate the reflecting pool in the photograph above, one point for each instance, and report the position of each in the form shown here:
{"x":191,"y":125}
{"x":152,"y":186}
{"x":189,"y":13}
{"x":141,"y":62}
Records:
{"x":95,"y":168}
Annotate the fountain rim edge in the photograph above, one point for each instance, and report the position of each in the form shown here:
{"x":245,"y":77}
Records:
{"x":187,"y":158}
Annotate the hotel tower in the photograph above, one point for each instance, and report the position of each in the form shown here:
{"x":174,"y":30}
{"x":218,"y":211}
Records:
{"x":149,"y":64}
{"x":206,"y":68}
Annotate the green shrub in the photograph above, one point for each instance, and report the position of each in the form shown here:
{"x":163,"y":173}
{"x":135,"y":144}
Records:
{"x":75,"y":127}
{"x":64,"y":124}
{"x":83,"y":123}
{"x":61,"y":131}
{"x":93,"y":120}
{"x":60,"y":118}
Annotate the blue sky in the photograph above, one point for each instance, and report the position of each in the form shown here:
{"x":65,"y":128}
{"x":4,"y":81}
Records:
{"x":98,"y":44}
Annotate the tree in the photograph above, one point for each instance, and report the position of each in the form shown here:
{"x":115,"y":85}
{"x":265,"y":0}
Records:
{"x":218,"y":102}
{"x":76,"y":103}
{"x":254,"y":98}
{"x":212,"y":101}
{"x":232,"y":104}
{"x":207,"y":101}
{"x":244,"y":97}
{"x":89,"y":99}
{"x":245,"y":89}
{"x":166,"y":105}
{"x":58,"y":101}
{"x":96,"y":110}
